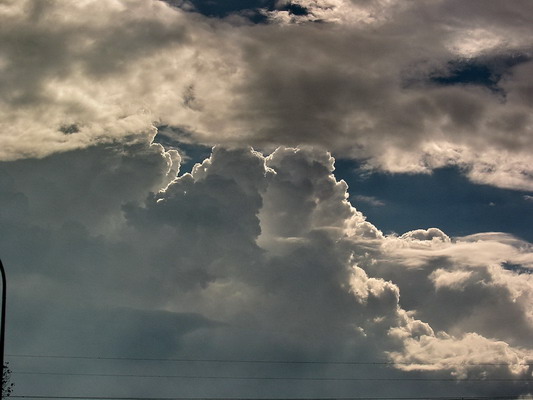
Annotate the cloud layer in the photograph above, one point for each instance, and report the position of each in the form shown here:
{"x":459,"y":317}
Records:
{"x":382,"y":81}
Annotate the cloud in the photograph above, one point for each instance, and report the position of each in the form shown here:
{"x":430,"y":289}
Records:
{"x":359,"y":83}
{"x":373,"y":201}
{"x":249,"y":257}
{"x":424,"y":235}
{"x":468,"y":271}
{"x":470,"y":349}
{"x":257,"y":256}
{"x":87,"y":186}
{"x":451,"y":279}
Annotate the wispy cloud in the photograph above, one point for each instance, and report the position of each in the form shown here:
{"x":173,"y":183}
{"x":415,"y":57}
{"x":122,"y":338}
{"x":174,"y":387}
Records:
{"x":373,"y":201}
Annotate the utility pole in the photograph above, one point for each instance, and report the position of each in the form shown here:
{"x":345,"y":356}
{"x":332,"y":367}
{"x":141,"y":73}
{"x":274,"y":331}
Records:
{"x":3,"y":329}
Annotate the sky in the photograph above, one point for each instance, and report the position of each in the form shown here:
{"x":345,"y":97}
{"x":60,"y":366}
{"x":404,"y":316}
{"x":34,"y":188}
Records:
{"x":267,"y":199}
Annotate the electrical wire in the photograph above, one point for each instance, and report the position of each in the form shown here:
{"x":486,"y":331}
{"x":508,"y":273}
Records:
{"x":244,"y":361}
{"x":506,"y":397}
{"x":271,"y":378}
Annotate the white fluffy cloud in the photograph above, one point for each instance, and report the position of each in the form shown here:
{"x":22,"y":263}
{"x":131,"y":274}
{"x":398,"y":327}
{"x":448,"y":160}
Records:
{"x":79,"y":73}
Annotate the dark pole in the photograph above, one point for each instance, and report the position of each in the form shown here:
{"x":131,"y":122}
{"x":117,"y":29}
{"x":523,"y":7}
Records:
{"x":3,"y":329}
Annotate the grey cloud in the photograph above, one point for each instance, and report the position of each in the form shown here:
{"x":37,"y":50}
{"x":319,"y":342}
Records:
{"x":44,"y":41}
{"x":75,"y":59}
{"x":253,"y":257}
{"x":463,"y":283}
{"x":342,"y":90}
{"x":116,"y":331}
{"x":115,"y":69}
{"x":86,"y":186}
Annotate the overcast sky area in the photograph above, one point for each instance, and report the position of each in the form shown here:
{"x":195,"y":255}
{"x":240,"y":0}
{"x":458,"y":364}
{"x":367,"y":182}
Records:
{"x":267,"y":199}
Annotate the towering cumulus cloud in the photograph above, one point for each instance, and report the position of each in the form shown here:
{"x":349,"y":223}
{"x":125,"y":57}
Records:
{"x":256,"y":258}
{"x":253,"y":275}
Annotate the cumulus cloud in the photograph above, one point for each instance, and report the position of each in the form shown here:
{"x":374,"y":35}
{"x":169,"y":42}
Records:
{"x":253,"y":257}
{"x":467,"y":271}
{"x":442,"y":351}
{"x":360,"y":83}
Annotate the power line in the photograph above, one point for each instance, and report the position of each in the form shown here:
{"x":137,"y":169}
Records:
{"x":243,"y":361}
{"x":270,"y":378}
{"x":281,"y":398}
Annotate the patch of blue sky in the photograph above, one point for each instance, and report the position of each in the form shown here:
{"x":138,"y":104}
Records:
{"x":517,"y":268}
{"x":480,"y":71}
{"x":223,"y":8}
{"x":247,"y":8}
{"x":445,"y":199}
{"x":178,"y":139}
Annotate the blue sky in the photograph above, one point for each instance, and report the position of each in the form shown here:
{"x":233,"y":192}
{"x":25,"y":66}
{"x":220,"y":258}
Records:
{"x":267,"y":199}
{"x":444,"y":199}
